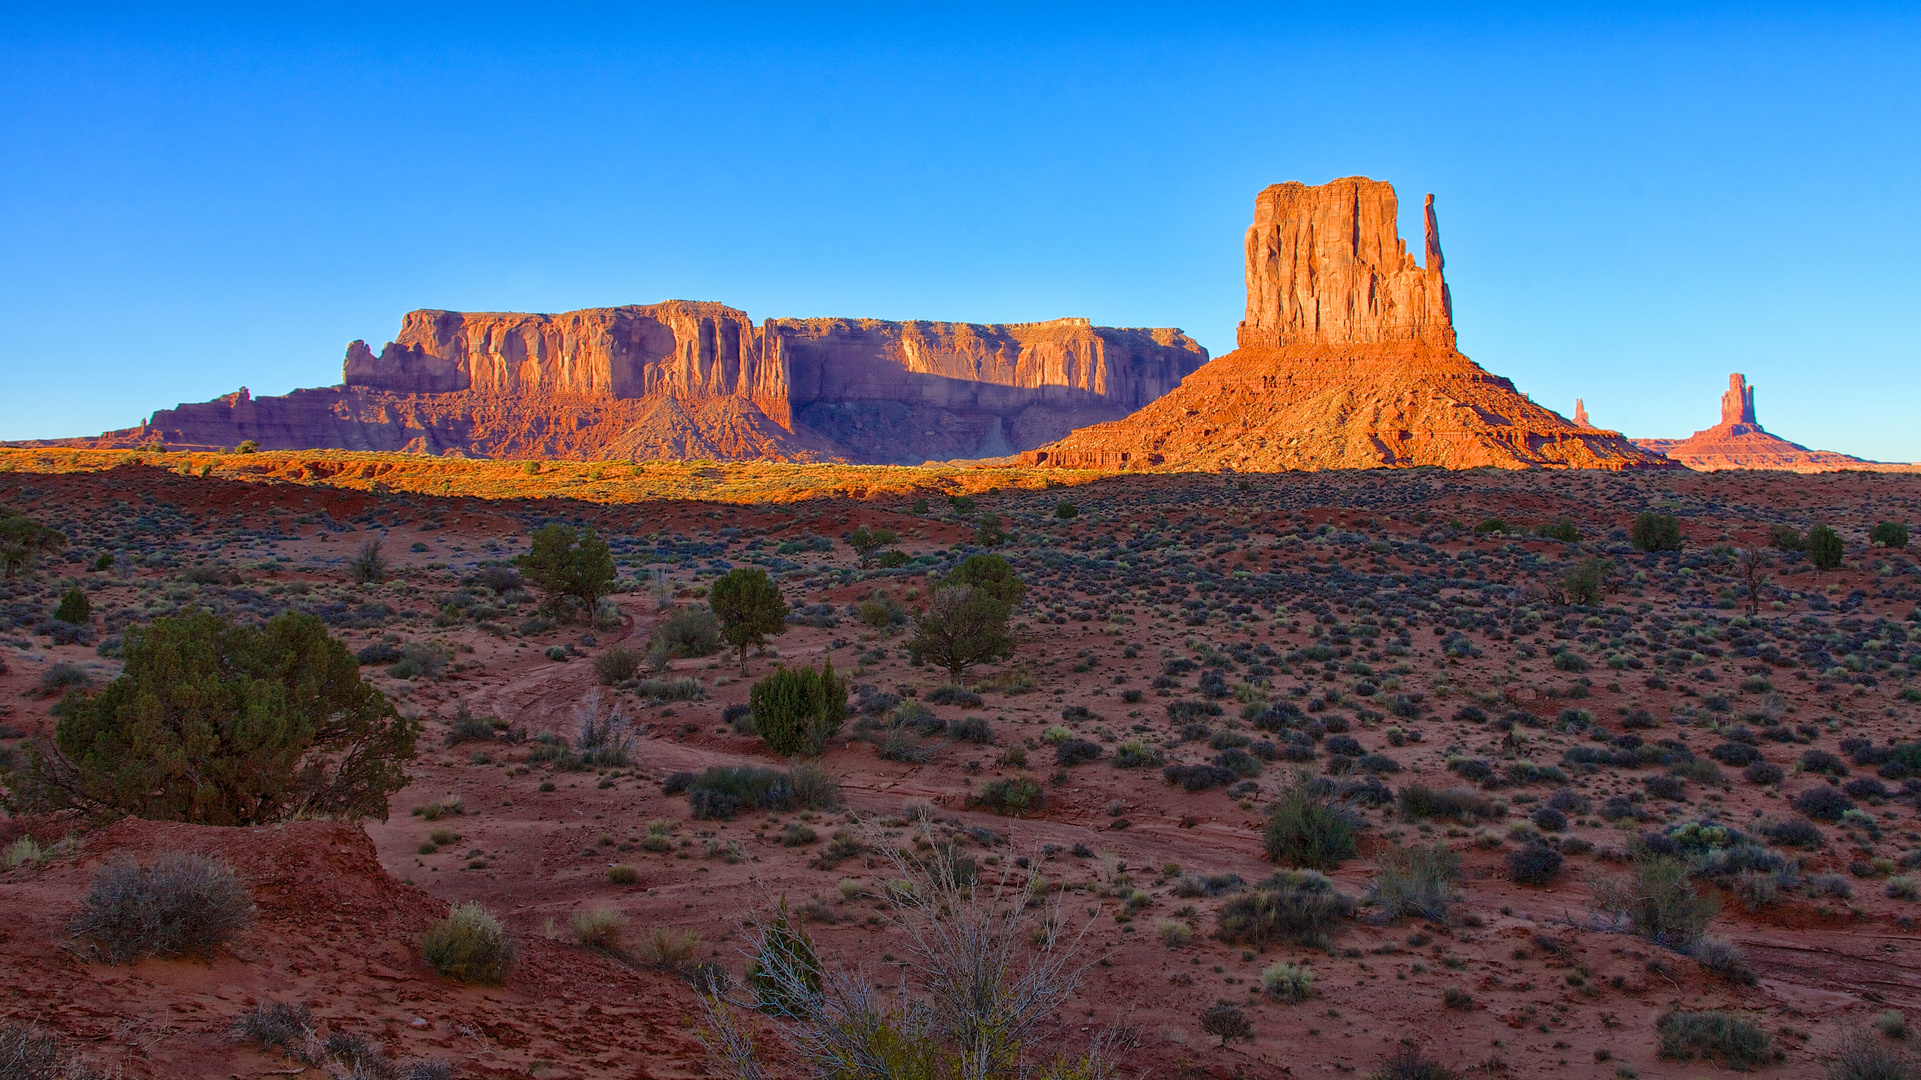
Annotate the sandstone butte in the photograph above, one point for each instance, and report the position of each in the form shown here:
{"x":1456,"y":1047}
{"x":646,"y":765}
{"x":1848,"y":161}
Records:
{"x":1738,"y":442}
{"x":686,"y":380}
{"x":1346,"y":360}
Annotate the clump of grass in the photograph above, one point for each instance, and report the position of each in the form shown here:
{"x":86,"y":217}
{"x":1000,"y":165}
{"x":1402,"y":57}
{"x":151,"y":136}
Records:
{"x":1288,"y":981}
{"x":616,"y":665}
{"x":1658,"y":902}
{"x":276,"y":1024}
{"x":1463,"y":805}
{"x":1416,"y":880}
{"x":1310,"y":829}
{"x":1721,"y":1037}
{"x":670,"y":950}
{"x":1722,"y":958}
{"x":1173,"y":933}
{"x":24,"y":851}
{"x":622,"y":874}
{"x":181,"y":905}
{"x":1013,"y":796}
{"x":1300,"y":906}
{"x":26,"y":1053}
{"x":602,"y":929}
{"x":1863,"y":1057}
{"x":469,"y":945}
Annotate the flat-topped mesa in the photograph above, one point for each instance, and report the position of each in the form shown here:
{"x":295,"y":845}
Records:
{"x":694,"y":379}
{"x":680,"y":347}
{"x":1326,"y":265}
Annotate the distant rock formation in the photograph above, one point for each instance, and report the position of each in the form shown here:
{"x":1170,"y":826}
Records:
{"x":1580,"y":413}
{"x":1738,"y":442}
{"x":1347,"y":359}
{"x":683,"y":379}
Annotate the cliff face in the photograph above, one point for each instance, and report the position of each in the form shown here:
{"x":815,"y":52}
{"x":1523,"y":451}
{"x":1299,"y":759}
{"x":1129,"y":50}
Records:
{"x":1347,"y":359}
{"x":1739,"y":442}
{"x":686,"y":379}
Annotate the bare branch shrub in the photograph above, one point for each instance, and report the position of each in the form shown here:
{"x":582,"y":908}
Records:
{"x":182,"y":905}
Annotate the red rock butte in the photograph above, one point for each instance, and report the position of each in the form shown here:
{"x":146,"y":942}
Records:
{"x":1739,"y":442}
{"x":690,"y":380}
{"x":1346,"y":360}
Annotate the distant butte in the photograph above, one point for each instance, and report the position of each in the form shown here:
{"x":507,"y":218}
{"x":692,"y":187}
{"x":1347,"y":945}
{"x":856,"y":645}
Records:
{"x":1738,"y":442}
{"x":685,"y":380}
{"x":1347,"y":360}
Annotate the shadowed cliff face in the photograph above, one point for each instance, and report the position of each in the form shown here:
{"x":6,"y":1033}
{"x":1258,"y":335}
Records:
{"x":1347,"y":360}
{"x":685,"y":379}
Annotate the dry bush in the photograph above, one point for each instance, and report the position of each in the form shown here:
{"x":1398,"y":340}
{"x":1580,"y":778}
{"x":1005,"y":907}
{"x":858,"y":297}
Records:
{"x":1416,"y":880}
{"x":991,"y":972}
{"x":602,"y":928}
{"x":26,"y":1053}
{"x":1861,"y":1056}
{"x":181,"y":905}
{"x":469,"y":945}
{"x":671,"y":950}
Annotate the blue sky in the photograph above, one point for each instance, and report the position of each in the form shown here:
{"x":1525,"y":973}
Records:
{"x":1634,"y":201}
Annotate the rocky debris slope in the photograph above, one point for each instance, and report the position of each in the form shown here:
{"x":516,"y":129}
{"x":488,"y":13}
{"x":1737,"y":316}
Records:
{"x":681,"y":380}
{"x":1347,"y":359}
{"x":1739,"y":442}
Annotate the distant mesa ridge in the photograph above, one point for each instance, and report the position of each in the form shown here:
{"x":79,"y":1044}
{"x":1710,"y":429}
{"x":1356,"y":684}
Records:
{"x":686,"y":379}
{"x":1739,"y":442}
{"x":1347,"y":358}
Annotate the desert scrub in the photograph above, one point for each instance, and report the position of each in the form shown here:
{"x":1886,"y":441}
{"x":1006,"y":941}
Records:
{"x":797,"y":711}
{"x":469,"y":945}
{"x":1299,"y":906}
{"x":181,"y":905}
{"x":602,"y":929}
{"x":1533,"y":863}
{"x":1137,"y":754}
{"x":1013,"y":796}
{"x":622,"y":874}
{"x":1416,"y":880}
{"x":722,"y":791}
{"x":1173,"y":933}
{"x":275,"y":1025}
{"x":686,"y":634}
{"x":1659,"y":902}
{"x":1288,"y":981}
{"x":26,"y":1053}
{"x":1721,"y":1037}
{"x":1462,"y":805}
{"x":670,"y":950}
{"x":616,"y":665}
{"x":1310,"y":829}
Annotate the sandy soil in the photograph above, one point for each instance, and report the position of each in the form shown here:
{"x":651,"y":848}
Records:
{"x":1363,"y":597}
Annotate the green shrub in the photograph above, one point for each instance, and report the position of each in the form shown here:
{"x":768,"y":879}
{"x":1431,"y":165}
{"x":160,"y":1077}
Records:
{"x":749,"y":609}
{"x":1298,"y":906}
{"x":74,"y":607}
{"x":1013,"y":796}
{"x":1560,"y":528}
{"x":616,"y":665}
{"x":577,"y":568}
{"x":687,"y":633}
{"x":622,"y":874}
{"x":1659,"y":902}
{"x":1786,"y":538}
{"x":1288,"y":981}
{"x":1587,"y":583}
{"x":23,"y":539}
{"x":1309,"y":829}
{"x":181,"y":905}
{"x":1416,"y":880}
{"x":1824,"y":548}
{"x":1892,"y":534}
{"x":1066,"y":510}
{"x":1721,"y":1037}
{"x":275,"y":719}
{"x":1655,"y":532}
{"x":1137,"y":754}
{"x":1463,"y":805}
{"x":602,"y":929}
{"x":797,"y":711}
{"x":469,"y":945}
{"x":1226,"y":1021}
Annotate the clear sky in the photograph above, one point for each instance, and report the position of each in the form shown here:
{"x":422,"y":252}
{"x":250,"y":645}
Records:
{"x":1634,"y":201}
